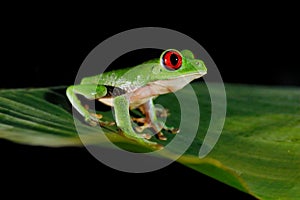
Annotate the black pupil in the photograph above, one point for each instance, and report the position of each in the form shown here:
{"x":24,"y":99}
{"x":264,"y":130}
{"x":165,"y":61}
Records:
{"x":174,"y":59}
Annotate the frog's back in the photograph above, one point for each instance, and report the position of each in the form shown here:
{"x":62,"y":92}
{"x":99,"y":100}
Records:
{"x":138,"y":76}
{"x":106,"y":78}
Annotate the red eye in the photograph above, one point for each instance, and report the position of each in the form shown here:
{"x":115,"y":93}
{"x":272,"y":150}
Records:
{"x":172,"y":60}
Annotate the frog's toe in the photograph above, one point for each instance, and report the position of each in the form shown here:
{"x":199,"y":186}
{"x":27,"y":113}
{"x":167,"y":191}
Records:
{"x":106,"y":123}
{"x":140,"y":129}
{"x":97,"y":115}
{"x":161,"y":136}
{"x":171,"y":129}
{"x":140,"y":120}
{"x":94,"y":120}
{"x":92,"y":123}
{"x":91,"y":120}
{"x":146,"y":136}
{"x":162,"y":112}
{"x":174,"y":130}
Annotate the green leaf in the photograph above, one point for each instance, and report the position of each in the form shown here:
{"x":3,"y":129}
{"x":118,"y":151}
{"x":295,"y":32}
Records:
{"x":258,"y":151}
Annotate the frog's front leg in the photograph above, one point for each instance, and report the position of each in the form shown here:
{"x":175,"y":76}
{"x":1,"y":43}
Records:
{"x":123,"y":120}
{"x":90,"y":92}
{"x":151,"y":121}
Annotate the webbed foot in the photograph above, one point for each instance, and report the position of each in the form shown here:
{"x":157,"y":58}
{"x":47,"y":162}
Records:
{"x":156,"y":128}
{"x":94,"y":119}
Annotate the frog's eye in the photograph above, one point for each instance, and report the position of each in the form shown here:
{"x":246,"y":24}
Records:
{"x":171,"y":60}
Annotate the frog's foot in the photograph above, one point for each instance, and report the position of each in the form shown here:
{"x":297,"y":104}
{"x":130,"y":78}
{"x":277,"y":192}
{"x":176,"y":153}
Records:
{"x":171,"y":129}
{"x":140,"y":129}
{"x":140,"y":120}
{"x":156,"y":128}
{"x":159,"y":135}
{"x":146,"y":135}
{"x":96,"y":115}
{"x":94,"y":119}
{"x":106,"y":123}
{"x":91,"y":120}
{"x":143,"y":124}
{"x":162,"y":112}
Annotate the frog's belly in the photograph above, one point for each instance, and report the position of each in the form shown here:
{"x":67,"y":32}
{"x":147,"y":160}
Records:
{"x":143,"y":94}
{"x":136,"y":98}
{"x":133,"y":104}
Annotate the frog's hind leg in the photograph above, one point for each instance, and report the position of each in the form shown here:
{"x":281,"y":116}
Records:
{"x":123,"y":120}
{"x":150,"y":121}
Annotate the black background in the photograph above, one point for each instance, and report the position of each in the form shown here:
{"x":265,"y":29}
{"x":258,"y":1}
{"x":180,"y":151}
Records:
{"x":43,"y":51}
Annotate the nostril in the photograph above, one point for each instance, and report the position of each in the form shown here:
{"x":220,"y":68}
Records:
{"x":198,"y":63}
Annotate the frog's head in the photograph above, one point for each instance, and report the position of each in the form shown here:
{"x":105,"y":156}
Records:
{"x":177,"y":68}
{"x":175,"y":64}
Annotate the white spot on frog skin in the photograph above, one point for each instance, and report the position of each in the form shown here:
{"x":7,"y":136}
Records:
{"x":130,"y":86}
{"x":111,"y":80}
{"x":138,"y":79}
{"x":155,"y":69}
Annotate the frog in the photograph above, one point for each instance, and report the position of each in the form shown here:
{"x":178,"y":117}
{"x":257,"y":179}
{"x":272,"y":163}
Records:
{"x":137,"y":87}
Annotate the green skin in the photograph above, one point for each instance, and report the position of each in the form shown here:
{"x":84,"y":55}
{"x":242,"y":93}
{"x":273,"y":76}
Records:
{"x":136,"y":87}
